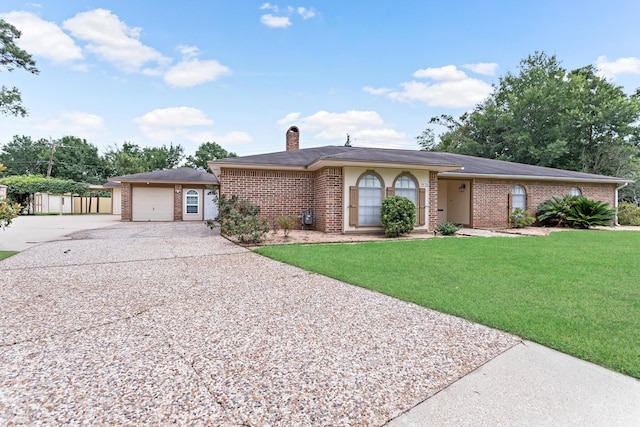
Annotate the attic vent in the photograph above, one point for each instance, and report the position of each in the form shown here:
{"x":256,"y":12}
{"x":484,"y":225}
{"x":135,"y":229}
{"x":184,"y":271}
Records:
{"x":293,"y":138}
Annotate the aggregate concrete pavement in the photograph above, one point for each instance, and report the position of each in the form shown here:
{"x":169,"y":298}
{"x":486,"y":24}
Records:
{"x":142,"y":323}
{"x":161,"y":323}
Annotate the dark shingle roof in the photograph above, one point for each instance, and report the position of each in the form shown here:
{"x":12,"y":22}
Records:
{"x":470,"y":165}
{"x":178,"y":175}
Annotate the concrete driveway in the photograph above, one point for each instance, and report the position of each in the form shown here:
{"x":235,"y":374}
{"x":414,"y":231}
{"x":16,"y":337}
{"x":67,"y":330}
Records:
{"x":158,"y":323}
{"x":31,"y":230}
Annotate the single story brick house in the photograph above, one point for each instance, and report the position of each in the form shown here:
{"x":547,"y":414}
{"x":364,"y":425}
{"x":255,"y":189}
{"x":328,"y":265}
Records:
{"x":344,"y":186}
{"x":181,"y":194}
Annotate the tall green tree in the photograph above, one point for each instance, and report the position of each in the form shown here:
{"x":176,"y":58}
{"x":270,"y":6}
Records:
{"x":205,"y":152}
{"x":131,"y":158}
{"x":164,"y":157}
{"x":546,"y":116}
{"x":125,"y":160}
{"x":76,"y":159}
{"x":24,"y":156}
{"x":12,"y":57}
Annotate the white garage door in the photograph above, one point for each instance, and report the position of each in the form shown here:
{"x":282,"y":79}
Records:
{"x":152,"y":204}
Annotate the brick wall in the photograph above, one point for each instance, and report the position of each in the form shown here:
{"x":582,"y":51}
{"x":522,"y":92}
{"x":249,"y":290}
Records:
{"x":125,"y":202}
{"x":491,"y":198}
{"x":327,"y":208}
{"x":177,"y":202}
{"x":432,"y":220}
{"x":276,"y":192}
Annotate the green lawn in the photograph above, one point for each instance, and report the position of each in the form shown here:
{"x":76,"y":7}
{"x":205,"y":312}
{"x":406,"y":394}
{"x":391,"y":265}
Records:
{"x":7,"y":254}
{"x":575,"y":291}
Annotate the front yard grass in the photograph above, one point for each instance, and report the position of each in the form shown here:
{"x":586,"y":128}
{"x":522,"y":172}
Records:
{"x":6,"y":254}
{"x":575,"y":291}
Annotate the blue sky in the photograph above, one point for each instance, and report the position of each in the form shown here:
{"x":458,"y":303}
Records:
{"x":241,"y":72}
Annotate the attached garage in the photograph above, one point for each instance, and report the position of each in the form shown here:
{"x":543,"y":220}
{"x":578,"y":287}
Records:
{"x":152,"y":203}
{"x":167,"y":195}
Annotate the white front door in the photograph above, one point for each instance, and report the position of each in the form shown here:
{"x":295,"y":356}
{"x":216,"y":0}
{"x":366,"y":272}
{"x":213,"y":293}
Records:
{"x":210,"y":204}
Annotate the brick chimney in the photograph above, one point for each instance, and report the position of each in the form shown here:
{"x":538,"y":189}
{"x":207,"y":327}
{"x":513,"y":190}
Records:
{"x":293,"y":138}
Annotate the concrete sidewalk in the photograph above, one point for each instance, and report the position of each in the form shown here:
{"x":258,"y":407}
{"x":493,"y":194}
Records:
{"x":31,"y":230}
{"x":532,"y":385}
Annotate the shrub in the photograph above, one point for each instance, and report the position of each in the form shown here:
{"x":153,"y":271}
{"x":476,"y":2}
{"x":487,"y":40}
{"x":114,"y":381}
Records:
{"x":629,"y":214}
{"x":8,"y":212}
{"x":587,"y":213}
{"x":398,"y":216}
{"x":574,"y":211}
{"x":239,"y":219}
{"x":520,"y":218}
{"x":553,"y":212}
{"x":286,"y":222}
{"x":447,"y":228}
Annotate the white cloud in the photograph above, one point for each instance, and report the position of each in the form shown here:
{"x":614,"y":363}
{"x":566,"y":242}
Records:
{"x":173,"y":124}
{"x":289,"y":118}
{"x":233,"y":138}
{"x":452,"y":94}
{"x":281,"y":16}
{"x":448,"y":72}
{"x":450,"y":88}
{"x":272,"y":21}
{"x":376,"y":91}
{"x":74,"y":123}
{"x":193,"y":72}
{"x":485,"y":68}
{"x":174,"y":116}
{"x":306,"y":13}
{"x":112,"y":40}
{"x":611,"y":69}
{"x":365,"y":128}
{"x":269,"y":6}
{"x":43,"y":38}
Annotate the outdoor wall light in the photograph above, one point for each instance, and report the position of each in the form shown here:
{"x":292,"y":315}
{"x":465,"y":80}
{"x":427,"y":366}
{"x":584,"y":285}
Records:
{"x":462,"y":187}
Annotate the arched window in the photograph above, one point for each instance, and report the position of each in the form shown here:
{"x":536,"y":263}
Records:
{"x":191,"y":202}
{"x":406,"y":186}
{"x":518,"y":198}
{"x":369,"y":199}
{"x":575,"y":191}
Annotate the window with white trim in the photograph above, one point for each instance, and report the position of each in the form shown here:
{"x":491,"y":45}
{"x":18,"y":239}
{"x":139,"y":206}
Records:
{"x":192,"y":202}
{"x":369,"y":199}
{"x":518,"y":198}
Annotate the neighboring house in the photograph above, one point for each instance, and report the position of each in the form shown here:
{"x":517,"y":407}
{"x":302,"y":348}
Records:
{"x":116,"y":196}
{"x":73,"y":203}
{"x":344,"y":186}
{"x":182,"y":194}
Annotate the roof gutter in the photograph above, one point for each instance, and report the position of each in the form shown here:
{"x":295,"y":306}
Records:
{"x":537,"y":178}
{"x":618,"y":188}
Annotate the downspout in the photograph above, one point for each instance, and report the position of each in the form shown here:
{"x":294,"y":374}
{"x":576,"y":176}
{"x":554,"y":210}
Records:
{"x":618,"y":188}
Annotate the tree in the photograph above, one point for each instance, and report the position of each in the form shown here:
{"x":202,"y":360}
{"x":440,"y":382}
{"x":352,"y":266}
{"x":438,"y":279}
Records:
{"x":125,"y":161}
{"x":24,"y":156}
{"x":158,"y":158}
{"x":132,"y":159}
{"x":21,"y":187}
{"x":547,"y":116}
{"x":12,"y":57}
{"x":77,"y":160}
{"x":205,"y":152}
